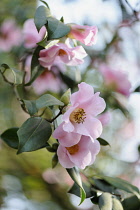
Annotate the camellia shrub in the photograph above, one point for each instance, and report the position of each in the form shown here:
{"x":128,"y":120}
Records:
{"x":70,"y":126}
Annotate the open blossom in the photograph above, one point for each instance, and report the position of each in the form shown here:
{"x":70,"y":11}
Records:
{"x":80,"y":115}
{"x":85,"y":34}
{"x":116,"y":80}
{"x":61,"y":53}
{"x":10,"y":35}
{"x":31,"y":35}
{"x":81,"y":154}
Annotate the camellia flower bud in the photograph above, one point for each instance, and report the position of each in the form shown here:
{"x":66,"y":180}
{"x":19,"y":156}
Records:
{"x":85,"y":34}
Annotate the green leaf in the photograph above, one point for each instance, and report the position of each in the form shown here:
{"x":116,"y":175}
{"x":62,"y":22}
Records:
{"x":17,"y":75}
{"x":76,"y":190}
{"x":36,"y":69}
{"x":74,"y":174}
{"x":105,"y":201}
{"x":103,"y":142}
{"x":45,"y":3}
{"x":66,"y":97}
{"x":103,"y":186}
{"x":131,"y":203}
{"x":41,"y":16}
{"x":47,"y":100}
{"x":123,"y":185}
{"x":30,"y":106}
{"x":116,"y":204}
{"x":54,"y":160}
{"x":68,"y":81}
{"x":10,"y":137}
{"x":33,"y":134}
{"x":56,"y":29}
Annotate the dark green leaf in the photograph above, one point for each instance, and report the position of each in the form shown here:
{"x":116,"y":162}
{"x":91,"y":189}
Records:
{"x":95,"y":200}
{"x":54,"y":160}
{"x":137,"y":89}
{"x":105,"y":201}
{"x":45,"y":3}
{"x":76,"y":190}
{"x":47,"y":100}
{"x":116,"y":204}
{"x":131,"y":203}
{"x":33,"y":134}
{"x":74,"y":174}
{"x":103,"y":142}
{"x":10,"y":137}
{"x":68,"y":81}
{"x":103,"y":186}
{"x":41,"y":16}
{"x":30,"y":106}
{"x":122,"y":184}
{"x":36,"y":69}
{"x":56,"y":29}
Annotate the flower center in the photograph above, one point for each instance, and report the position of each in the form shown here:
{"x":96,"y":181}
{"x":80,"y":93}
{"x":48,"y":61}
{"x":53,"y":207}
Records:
{"x":78,"y":115}
{"x":62,"y":52}
{"x":73,"y":150}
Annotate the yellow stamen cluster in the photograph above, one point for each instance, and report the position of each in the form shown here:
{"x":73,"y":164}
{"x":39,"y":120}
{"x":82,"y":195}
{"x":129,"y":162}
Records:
{"x":73,"y":150}
{"x":78,"y":115}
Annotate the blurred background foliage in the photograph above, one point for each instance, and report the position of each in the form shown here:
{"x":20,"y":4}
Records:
{"x":27,"y":181}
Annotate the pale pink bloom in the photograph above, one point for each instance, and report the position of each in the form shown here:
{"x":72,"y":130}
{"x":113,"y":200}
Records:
{"x":66,"y":139}
{"x":85,"y":34}
{"x":31,"y":35}
{"x":10,"y":35}
{"x":61,"y":53}
{"x":80,"y":116}
{"x":47,"y":81}
{"x":81,"y":154}
{"x":105,"y":118}
{"x":116,"y":80}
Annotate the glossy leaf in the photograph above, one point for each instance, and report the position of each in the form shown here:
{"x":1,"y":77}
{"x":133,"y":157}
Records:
{"x":41,"y":16}
{"x":10,"y":137}
{"x":30,"y":106}
{"x":33,"y":134}
{"x":74,"y":174}
{"x":103,"y":186}
{"x":122,"y":184}
{"x":56,"y":29}
{"x":116,"y":204}
{"x":105,"y":201}
{"x":103,"y":142}
{"x":131,"y":203}
{"x":47,"y":100}
{"x":36,"y":69}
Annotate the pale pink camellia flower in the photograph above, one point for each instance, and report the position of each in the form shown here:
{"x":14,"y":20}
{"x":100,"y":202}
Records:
{"x":66,"y":139}
{"x":10,"y":35}
{"x":116,"y":80}
{"x":85,"y":34}
{"x":31,"y":35}
{"x":61,"y":53}
{"x":47,"y":81}
{"x":105,"y":118}
{"x":81,"y":154}
{"x":80,"y":115}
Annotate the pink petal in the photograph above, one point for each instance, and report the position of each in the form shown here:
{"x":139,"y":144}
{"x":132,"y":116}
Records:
{"x":63,"y":157}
